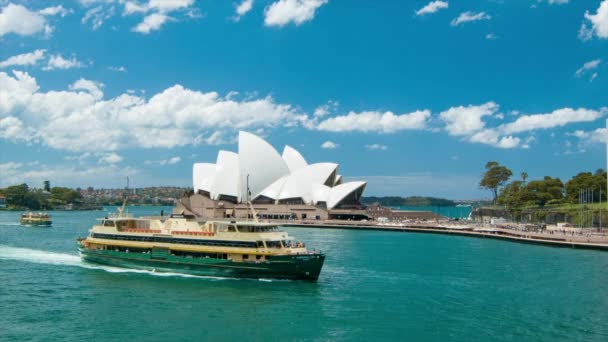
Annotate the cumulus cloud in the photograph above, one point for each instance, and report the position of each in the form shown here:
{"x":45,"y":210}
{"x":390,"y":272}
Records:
{"x":30,"y":58}
{"x":283,"y":12}
{"x":588,"y":68}
{"x":466,"y":17}
{"x":554,"y":2}
{"x":557,"y":118}
{"x":595,"y":23}
{"x":432,"y":7}
{"x":58,"y":62}
{"x":243,"y":8}
{"x":79,"y":119}
{"x":373,"y":147}
{"x":599,"y":135}
{"x":19,"y":20}
{"x":118,"y":68}
{"x":151,"y":23}
{"x":467,"y":120}
{"x":329,"y":145}
{"x":163,"y":162}
{"x":110,"y":158}
{"x":374,"y":121}
{"x":326,"y":109}
{"x":155,"y":13}
{"x":55,"y":10}
{"x":97,"y":16}
{"x":35,"y":173}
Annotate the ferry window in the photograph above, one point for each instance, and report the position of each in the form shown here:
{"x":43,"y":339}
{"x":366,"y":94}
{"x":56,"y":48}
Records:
{"x":231,"y":228}
{"x":245,"y":256}
{"x":273,"y":244}
{"x":258,"y":257}
{"x":108,"y":223}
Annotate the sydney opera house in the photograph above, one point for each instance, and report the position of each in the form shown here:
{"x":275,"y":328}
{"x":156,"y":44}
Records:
{"x":279,"y":186}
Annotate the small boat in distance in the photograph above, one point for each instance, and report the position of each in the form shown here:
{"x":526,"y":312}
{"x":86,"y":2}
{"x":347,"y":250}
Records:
{"x":179,"y":244}
{"x":36,"y":219}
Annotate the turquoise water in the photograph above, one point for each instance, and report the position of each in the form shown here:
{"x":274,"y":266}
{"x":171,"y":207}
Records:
{"x":375,"y":286}
{"x":452,"y":212}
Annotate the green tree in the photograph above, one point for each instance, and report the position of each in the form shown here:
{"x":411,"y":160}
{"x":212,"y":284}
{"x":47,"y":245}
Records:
{"x":61,"y":195}
{"x":524,"y":176}
{"x":587,"y":181}
{"x":47,"y":186}
{"x":495,"y":176}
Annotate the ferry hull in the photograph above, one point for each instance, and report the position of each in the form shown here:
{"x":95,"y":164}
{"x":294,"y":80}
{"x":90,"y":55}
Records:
{"x":292,"y":267}
{"x":36,"y":223}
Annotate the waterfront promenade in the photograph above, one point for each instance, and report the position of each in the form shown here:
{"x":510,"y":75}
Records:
{"x":587,"y":240}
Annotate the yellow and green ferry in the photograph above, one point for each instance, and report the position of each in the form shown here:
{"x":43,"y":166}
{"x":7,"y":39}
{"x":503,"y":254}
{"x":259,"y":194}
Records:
{"x":178,"y":244}
{"x":36,"y":219}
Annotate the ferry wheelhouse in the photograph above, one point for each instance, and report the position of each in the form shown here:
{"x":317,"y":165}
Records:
{"x":241,"y":249}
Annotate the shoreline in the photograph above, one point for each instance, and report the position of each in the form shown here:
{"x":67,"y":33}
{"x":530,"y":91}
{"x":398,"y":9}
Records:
{"x":553,"y":240}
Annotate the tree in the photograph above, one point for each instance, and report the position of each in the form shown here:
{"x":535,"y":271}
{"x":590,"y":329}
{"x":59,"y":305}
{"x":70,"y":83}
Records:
{"x":495,"y":176}
{"x":47,"y":186}
{"x":524,"y":176}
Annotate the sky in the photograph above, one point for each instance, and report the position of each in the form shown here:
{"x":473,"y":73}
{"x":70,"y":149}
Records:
{"x":414,"y":97}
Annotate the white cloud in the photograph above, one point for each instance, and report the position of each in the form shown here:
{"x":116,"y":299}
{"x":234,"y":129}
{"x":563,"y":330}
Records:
{"x":492,"y":137}
{"x":588,"y":67}
{"x":118,"y":68}
{"x":373,"y":147}
{"x":163,"y":162}
{"x":595,"y":23}
{"x":329,"y":145}
{"x":155,"y":12}
{"x":92,"y":87}
{"x":110,"y":158}
{"x":374,"y":121}
{"x":326,"y":109}
{"x":30,"y":58}
{"x":19,"y":20}
{"x":151,"y":23}
{"x":283,"y":12}
{"x":432,"y":7}
{"x":100,"y":175}
{"x":76,"y":120}
{"x":97,"y":16}
{"x":56,"y":10}
{"x":491,"y":36}
{"x":243,"y":8}
{"x":58,"y":62}
{"x":467,"y":120}
{"x":469,"y":16}
{"x":599,"y":135}
{"x":553,"y":2}
{"x":557,"y":118}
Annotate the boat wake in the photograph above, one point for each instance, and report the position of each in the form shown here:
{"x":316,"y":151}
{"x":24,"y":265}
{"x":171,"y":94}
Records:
{"x":64,"y":259}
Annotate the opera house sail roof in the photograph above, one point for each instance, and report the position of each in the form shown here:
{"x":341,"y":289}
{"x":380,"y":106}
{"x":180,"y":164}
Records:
{"x":258,"y":173}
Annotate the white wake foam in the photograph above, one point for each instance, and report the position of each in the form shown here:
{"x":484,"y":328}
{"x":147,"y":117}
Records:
{"x":64,"y":259}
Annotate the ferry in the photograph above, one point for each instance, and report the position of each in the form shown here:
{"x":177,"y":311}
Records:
{"x":181,"y":244}
{"x":36,"y":219}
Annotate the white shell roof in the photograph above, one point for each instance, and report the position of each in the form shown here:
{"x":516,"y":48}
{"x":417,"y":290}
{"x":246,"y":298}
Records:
{"x":261,"y":162}
{"x":293,"y":159}
{"x":274,"y":189}
{"x":227,"y":182}
{"x":339,"y":192}
{"x":299,"y":183}
{"x":203,"y":176}
{"x":271,"y":175}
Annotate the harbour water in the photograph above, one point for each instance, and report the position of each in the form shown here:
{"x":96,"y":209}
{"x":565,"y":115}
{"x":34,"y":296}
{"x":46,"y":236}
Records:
{"x":455,"y":212}
{"x":374,"y":286}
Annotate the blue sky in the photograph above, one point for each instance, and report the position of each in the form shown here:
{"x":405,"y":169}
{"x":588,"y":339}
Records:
{"x":412,"y":96}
